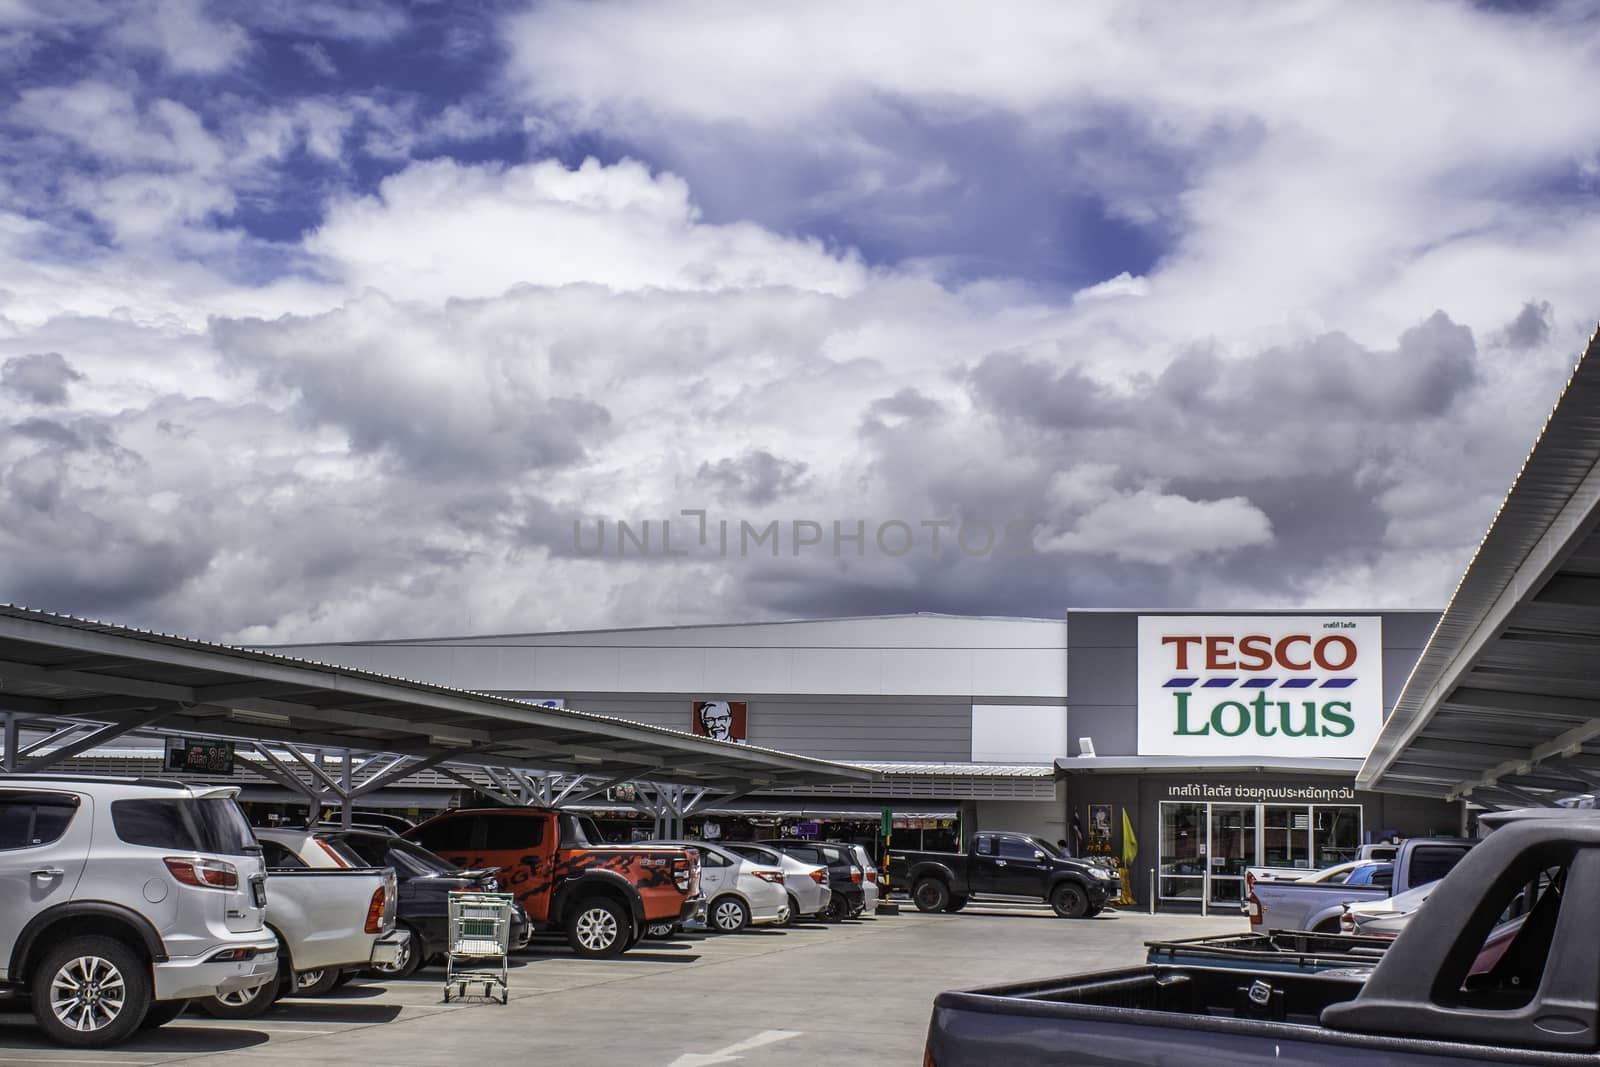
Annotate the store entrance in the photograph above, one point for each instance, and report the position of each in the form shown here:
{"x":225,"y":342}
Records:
{"x":1233,"y":848}
{"x":1206,"y":848}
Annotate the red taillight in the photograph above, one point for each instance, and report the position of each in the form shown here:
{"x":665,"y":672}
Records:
{"x":872,"y":876}
{"x":1255,"y":910}
{"x":1249,"y":880}
{"x":819,"y":876}
{"x":207,"y":874}
{"x":1347,"y":923}
{"x":775,"y":877}
{"x":927,"y":1058}
{"x":338,"y":860}
{"x":855,"y":875}
{"x":375,"y":912}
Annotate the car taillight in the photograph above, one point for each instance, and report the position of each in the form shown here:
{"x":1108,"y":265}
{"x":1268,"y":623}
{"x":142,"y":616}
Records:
{"x":375,"y":912}
{"x":1249,"y":881}
{"x":819,"y":876}
{"x":1254,"y":907}
{"x":872,"y":876}
{"x":1347,"y":923}
{"x":855,"y":875}
{"x":682,"y":875}
{"x":338,"y":860}
{"x":775,"y":877}
{"x":207,"y":874}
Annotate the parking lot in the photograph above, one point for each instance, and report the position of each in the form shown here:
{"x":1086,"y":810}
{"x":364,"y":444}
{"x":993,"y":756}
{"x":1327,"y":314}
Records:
{"x":809,"y":994}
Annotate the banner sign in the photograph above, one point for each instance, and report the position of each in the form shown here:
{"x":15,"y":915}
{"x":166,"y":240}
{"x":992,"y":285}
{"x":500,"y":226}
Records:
{"x":1260,"y":685}
{"x":199,"y":756}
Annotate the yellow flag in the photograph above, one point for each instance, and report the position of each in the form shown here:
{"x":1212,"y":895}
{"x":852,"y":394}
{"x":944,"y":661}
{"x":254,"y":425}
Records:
{"x":1130,"y":844}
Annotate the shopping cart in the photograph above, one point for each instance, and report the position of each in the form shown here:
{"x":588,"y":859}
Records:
{"x":480,"y":943}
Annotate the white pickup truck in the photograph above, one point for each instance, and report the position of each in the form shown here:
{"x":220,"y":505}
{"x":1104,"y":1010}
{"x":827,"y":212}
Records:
{"x":326,"y":921}
{"x":1380,"y":853}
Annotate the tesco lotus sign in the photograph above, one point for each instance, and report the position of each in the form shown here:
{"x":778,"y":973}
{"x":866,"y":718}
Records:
{"x":1260,"y":685}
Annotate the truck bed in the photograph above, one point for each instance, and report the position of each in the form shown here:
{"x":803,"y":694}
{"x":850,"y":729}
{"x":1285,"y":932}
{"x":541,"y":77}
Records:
{"x":1180,"y":1016}
{"x":1298,"y":951}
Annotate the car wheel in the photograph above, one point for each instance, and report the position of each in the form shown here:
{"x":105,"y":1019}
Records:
{"x":956,"y":904}
{"x":598,"y":929}
{"x":242,"y":1004}
{"x":406,"y":963}
{"x":1092,"y":912}
{"x":931,"y":894}
{"x":794,"y":911}
{"x":1070,"y":901}
{"x":345,"y":978}
{"x":729,"y":915}
{"x":314,"y":983}
{"x":89,"y":992}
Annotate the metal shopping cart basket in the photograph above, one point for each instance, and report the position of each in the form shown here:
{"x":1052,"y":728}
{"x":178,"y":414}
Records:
{"x":480,"y":942}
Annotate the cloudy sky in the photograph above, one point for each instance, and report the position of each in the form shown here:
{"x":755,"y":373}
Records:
{"x":364,"y":319}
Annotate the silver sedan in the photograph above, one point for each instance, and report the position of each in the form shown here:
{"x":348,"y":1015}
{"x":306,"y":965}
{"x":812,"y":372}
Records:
{"x":807,"y":883}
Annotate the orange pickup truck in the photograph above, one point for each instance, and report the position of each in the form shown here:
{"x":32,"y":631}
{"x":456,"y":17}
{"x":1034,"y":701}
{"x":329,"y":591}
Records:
{"x":604,"y":896}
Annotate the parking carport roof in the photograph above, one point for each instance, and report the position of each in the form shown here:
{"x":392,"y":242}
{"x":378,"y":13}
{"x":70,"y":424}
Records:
{"x":62,"y":675}
{"x":1503,"y":706}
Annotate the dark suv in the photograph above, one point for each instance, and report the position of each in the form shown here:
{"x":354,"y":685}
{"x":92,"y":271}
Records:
{"x":844,"y":874}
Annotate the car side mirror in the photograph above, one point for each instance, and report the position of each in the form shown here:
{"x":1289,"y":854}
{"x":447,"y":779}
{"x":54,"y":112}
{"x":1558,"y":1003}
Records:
{"x":1038,"y":855}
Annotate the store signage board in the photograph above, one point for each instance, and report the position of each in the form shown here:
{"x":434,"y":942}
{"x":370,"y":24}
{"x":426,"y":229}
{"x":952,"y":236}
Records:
{"x":1260,"y":685}
{"x":199,"y":755}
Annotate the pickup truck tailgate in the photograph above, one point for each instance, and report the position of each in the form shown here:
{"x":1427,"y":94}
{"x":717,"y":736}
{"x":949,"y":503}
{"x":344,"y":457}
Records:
{"x":331,"y":917}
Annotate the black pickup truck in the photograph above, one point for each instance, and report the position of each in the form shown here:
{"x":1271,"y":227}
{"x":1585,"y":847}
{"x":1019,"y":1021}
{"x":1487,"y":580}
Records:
{"x":1003,"y":866}
{"x":1428,"y":1002}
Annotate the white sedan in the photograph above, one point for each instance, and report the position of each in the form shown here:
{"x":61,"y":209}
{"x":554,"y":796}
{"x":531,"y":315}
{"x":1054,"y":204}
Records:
{"x":806,"y":883}
{"x":738,"y":893}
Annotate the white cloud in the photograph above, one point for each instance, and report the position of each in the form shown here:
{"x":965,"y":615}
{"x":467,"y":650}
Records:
{"x":186,"y":37}
{"x":440,"y":229}
{"x":1149,"y":526}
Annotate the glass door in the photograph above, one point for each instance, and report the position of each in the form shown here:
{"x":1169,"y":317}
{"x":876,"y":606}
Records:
{"x":1335,"y":833}
{"x":1233,"y":848}
{"x":1286,"y":836}
{"x":1183,"y":851}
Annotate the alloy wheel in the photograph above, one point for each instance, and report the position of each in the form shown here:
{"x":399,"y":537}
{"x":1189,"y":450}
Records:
{"x":597,"y":929}
{"x":729,"y":915}
{"x":87,"y":993}
{"x":238,"y":998}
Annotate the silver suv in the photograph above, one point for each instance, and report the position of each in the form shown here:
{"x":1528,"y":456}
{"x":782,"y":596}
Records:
{"x":121,"y":899}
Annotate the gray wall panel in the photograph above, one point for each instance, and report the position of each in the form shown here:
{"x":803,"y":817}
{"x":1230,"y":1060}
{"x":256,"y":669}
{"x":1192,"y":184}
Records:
{"x":843,"y":728}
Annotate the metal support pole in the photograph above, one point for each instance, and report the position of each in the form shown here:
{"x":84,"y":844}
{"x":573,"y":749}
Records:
{"x":1152,"y":890}
{"x":11,"y":742}
{"x":344,"y":795}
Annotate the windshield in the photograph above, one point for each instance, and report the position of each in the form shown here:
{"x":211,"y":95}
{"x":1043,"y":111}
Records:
{"x":209,"y":824}
{"x":1046,"y":847}
{"x":757,"y":853}
{"x":381,"y":850}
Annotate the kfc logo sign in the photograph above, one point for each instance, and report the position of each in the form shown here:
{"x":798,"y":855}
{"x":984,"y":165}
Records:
{"x":720,"y":719}
{"x":1274,"y":685}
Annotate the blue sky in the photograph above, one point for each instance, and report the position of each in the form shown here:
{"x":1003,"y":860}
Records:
{"x":331,"y":320}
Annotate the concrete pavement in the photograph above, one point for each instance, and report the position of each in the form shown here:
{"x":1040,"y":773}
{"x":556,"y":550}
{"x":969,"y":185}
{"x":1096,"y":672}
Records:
{"x":812,"y":994}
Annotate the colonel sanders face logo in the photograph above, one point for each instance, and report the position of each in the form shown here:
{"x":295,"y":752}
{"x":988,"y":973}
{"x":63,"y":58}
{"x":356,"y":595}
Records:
{"x":716,"y":720}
